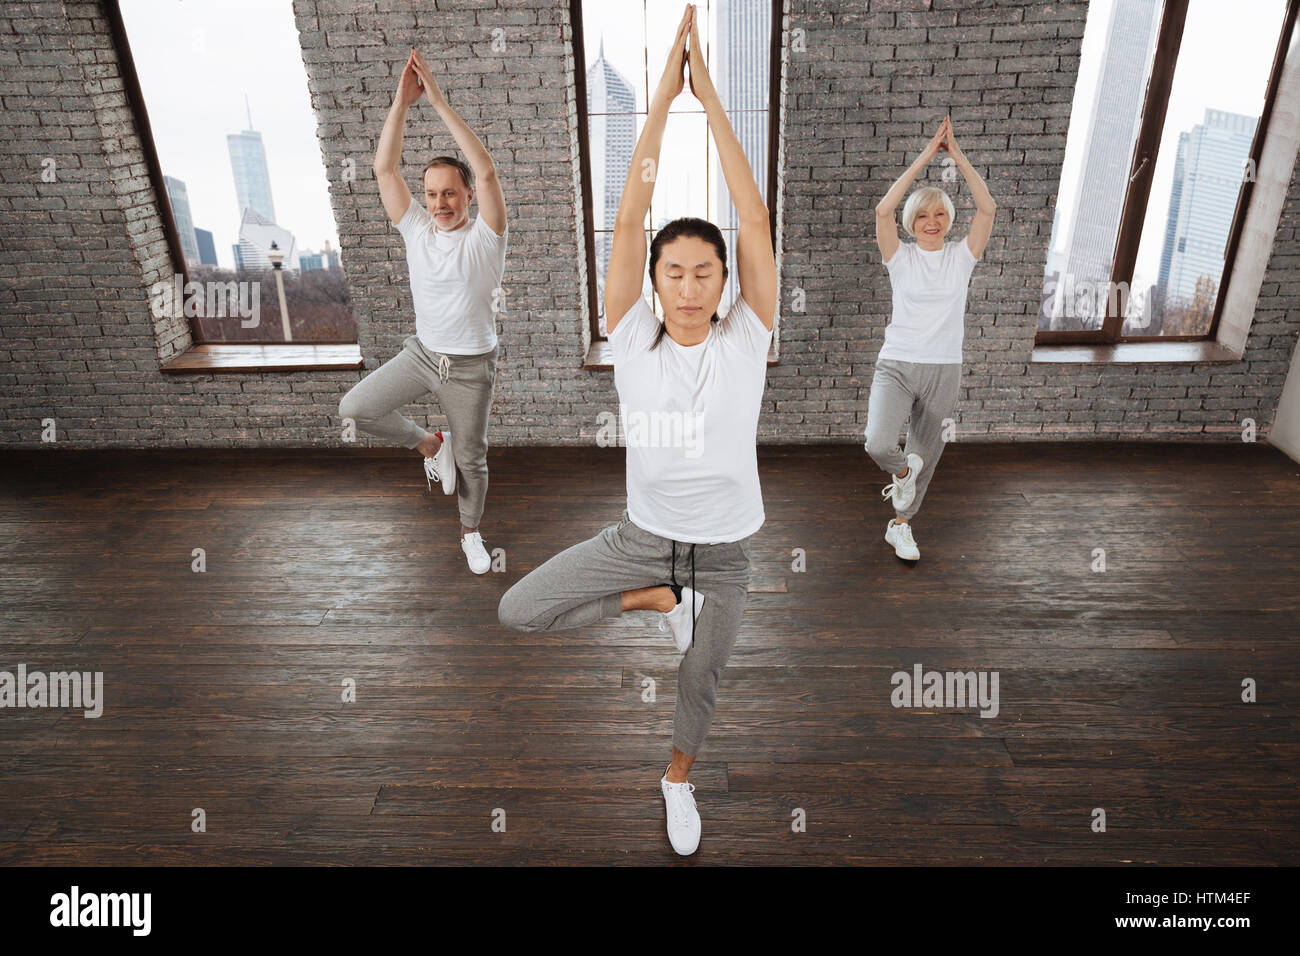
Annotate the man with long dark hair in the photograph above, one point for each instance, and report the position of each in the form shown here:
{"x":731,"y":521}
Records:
{"x":696,"y":381}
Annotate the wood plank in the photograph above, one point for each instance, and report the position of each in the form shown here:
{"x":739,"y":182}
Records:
{"x":1118,"y":689}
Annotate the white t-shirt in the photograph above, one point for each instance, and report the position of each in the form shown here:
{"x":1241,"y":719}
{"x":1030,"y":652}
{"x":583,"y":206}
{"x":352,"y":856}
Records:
{"x":929,"y":317}
{"x":690,"y":420}
{"x":454,"y":276}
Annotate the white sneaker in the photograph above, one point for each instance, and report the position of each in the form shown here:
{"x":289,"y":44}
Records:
{"x":683,"y":818}
{"x":680,"y":620}
{"x":472,"y":545}
{"x":442,"y":466}
{"x":900,"y":536}
{"x":903,"y":490}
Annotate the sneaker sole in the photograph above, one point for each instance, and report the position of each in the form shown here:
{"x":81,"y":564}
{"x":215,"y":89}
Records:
{"x":449,"y":487}
{"x":451,"y":465}
{"x":683,"y":650}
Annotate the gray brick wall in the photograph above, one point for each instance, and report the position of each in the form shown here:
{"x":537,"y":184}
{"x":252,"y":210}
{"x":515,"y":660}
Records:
{"x":80,"y":344}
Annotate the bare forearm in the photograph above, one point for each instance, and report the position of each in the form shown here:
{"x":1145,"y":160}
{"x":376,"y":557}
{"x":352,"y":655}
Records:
{"x":897,"y":191}
{"x":388,"y":156}
{"x":978,"y":190}
{"x":639,"y":188}
{"x":745,"y":194}
{"x":476,"y":153}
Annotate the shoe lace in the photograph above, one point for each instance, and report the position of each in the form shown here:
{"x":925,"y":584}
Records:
{"x":905,"y":532}
{"x":889,"y":489}
{"x":683,"y":803}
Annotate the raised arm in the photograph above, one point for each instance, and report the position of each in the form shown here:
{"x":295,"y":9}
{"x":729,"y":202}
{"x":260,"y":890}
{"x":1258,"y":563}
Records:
{"x":755,"y":260}
{"x":388,"y":156}
{"x":491,"y":200}
{"x":625,"y":276}
{"x":981,"y":226}
{"x":886,"y":224}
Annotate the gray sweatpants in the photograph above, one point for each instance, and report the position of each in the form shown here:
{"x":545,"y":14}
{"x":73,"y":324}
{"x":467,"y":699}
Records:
{"x":928,"y":394}
{"x":463,"y":386}
{"x":585,"y":583}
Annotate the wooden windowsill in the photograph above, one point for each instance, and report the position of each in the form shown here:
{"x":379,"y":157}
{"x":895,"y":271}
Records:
{"x":286,"y":357}
{"x":601,"y":356}
{"x":1134,"y":352}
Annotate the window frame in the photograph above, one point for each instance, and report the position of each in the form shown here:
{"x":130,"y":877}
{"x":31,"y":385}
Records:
{"x":1145,"y":153}
{"x":584,"y":153}
{"x":135,"y":100}
{"x":202,"y":356}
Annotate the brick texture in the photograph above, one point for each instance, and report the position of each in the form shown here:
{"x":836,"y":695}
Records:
{"x":865,"y":88}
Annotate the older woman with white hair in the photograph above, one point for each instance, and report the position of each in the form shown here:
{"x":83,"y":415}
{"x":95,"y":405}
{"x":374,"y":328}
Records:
{"x":918,"y":369}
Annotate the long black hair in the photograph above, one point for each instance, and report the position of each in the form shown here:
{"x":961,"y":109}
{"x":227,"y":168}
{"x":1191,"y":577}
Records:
{"x":695,"y":229}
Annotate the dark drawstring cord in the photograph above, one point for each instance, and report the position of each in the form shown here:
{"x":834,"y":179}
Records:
{"x":677,"y":588}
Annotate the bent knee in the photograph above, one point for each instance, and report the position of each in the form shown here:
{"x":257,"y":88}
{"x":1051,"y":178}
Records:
{"x":513,"y":612}
{"x":878,"y":446}
{"x":351,"y":406}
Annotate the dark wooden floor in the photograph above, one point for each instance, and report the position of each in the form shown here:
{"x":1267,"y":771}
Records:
{"x":1119,"y":690}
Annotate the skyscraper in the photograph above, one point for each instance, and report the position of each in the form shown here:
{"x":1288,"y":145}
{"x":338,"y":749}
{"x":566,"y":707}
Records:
{"x":611,"y":123}
{"x":1171,"y":216}
{"x":1207,"y":184}
{"x":179,"y":197}
{"x":256,"y":233}
{"x":1111,"y":135}
{"x":742,"y":69}
{"x":1052,"y":272}
{"x":207,"y":248}
{"x":252,"y":180}
{"x":331,"y":257}
{"x":311,"y":261}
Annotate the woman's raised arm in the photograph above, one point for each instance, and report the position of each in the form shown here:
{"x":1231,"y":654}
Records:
{"x":625,"y":276}
{"x":981,"y":226}
{"x":886,"y":225}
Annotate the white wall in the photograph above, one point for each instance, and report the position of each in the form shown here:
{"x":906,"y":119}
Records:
{"x":1285,"y":433}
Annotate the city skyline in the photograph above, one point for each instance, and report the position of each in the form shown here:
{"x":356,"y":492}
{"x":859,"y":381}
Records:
{"x":737,"y":38}
{"x":1208,"y":35}
{"x":271,"y":76}
{"x":221,"y":64}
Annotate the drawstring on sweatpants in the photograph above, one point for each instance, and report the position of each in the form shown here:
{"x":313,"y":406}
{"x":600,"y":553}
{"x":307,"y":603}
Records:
{"x":677,"y":587}
{"x":444,"y":366}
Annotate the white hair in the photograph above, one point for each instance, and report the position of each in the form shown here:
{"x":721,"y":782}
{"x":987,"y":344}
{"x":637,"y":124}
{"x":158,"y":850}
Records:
{"x":924,"y":198}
